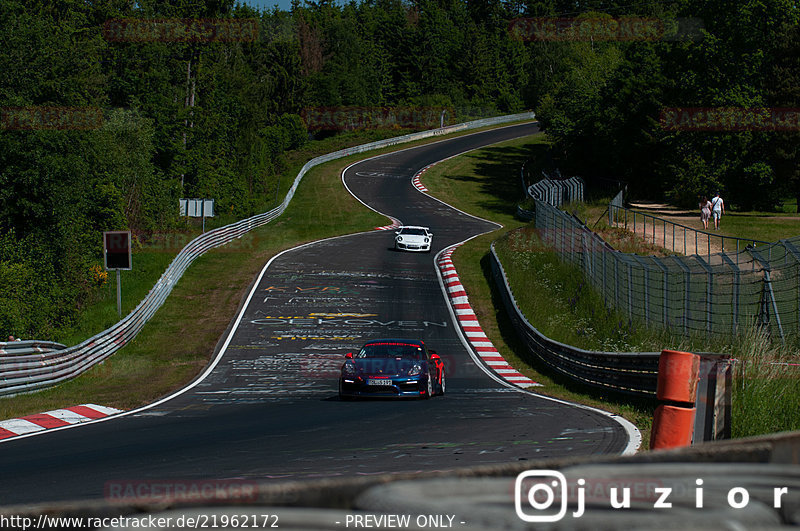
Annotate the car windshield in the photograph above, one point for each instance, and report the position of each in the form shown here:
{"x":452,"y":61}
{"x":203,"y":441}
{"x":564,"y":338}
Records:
{"x":413,"y":232}
{"x":391,"y":350}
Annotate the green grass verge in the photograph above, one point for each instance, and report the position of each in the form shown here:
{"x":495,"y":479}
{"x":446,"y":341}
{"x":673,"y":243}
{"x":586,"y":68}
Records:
{"x":766,"y":397}
{"x":177,"y":343}
{"x":486,"y":183}
{"x":101,"y":312}
{"x":764,"y":226}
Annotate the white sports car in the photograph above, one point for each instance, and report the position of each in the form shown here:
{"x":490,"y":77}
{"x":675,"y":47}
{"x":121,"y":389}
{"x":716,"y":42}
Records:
{"x":412,"y":238}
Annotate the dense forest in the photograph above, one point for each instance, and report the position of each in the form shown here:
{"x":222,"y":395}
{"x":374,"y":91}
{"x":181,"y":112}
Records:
{"x":106,"y":122}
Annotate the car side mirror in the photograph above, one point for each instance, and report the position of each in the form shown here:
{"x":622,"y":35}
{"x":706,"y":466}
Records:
{"x":349,"y":355}
{"x":435,"y":357}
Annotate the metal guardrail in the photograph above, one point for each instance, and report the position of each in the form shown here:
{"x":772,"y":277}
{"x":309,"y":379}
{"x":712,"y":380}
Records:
{"x":625,"y":372}
{"x":49,"y":368}
{"x":18,"y":348}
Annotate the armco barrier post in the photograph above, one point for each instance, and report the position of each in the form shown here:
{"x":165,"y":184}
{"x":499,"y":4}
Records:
{"x":713,"y":403}
{"x":673,"y":422}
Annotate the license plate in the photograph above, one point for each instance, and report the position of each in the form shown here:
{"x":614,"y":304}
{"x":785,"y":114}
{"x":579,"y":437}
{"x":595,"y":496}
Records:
{"x":379,"y":382}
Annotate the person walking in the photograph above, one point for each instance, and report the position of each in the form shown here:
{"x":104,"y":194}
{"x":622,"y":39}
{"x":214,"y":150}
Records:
{"x":705,"y":211}
{"x":717,"y":209}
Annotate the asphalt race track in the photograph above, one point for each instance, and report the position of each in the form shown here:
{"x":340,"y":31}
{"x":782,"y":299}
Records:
{"x":269,"y":407}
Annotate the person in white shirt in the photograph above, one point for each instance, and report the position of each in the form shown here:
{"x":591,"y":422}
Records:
{"x":717,"y":209}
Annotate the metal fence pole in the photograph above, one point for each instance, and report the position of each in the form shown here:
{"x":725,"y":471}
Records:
{"x":572,"y":240}
{"x":709,"y":291}
{"x":735,"y":298}
{"x":654,"y":231}
{"x":605,"y":291}
{"x":664,"y":292}
{"x":616,"y":281}
{"x":646,"y":278}
{"x":767,"y":289}
{"x":791,"y":249}
{"x":630,"y":291}
{"x":686,"y":277}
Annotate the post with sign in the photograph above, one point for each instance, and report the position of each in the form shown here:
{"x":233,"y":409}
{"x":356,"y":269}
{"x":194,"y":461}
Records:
{"x":197,"y":208}
{"x":117,"y":253}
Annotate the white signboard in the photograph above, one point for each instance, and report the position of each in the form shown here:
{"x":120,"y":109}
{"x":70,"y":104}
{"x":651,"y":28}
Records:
{"x":196,"y":208}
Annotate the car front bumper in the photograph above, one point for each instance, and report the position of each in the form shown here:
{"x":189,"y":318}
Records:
{"x":413,"y":246}
{"x":401,"y":387}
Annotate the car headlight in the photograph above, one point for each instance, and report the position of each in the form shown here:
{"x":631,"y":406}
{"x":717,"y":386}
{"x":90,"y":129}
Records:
{"x":349,"y":369}
{"x":426,"y":240}
{"x":399,"y":238}
{"x":415,"y":370}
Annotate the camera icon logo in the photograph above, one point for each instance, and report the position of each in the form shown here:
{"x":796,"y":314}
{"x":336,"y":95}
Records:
{"x":535,"y":493}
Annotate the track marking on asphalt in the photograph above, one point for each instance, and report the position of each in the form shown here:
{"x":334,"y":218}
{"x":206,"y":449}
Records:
{"x":57,"y":418}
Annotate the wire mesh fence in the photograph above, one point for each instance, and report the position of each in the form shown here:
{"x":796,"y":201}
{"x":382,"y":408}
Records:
{"x":714,"y":293}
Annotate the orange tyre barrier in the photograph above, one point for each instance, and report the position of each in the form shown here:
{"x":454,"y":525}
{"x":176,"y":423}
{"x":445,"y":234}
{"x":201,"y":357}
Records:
{"x":673,"y":427}
{"x":677,"y":376}
{"x":673,"y":423}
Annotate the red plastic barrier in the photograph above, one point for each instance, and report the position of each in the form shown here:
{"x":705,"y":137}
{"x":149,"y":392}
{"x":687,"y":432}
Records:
{"x":673,"y":424}
{"x":673,"y":427}
{"x":678,"y":373}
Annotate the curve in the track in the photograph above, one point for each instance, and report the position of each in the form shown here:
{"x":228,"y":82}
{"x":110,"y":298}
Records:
{"x":267,"y":407}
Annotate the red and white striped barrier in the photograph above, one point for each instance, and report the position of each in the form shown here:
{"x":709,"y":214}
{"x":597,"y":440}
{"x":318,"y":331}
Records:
{"x":54,"y":419}
{"x":395,"y":225}
{"x":472,"y":328}
{"x":416,"y":180}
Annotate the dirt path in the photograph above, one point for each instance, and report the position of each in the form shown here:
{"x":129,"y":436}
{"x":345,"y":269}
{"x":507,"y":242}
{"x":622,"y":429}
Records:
{"x":672,"y":237}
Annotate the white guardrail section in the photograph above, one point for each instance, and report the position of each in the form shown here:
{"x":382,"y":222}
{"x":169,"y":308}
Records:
{"x":24,"y":373}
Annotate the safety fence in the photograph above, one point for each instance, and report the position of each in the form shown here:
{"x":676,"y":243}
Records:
{"x":712,"y":294}
{"x":26,"y":373}
{"x":555,"y":190}
{"x":627,"y":372}
{"x":631,"y":373}
{"x":677,"y":237}
{"x":614,"y":206}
